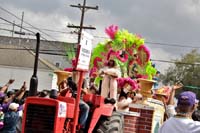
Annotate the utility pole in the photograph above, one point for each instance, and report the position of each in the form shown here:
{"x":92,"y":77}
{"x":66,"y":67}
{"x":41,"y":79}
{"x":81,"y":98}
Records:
{"x":83,"y":9}
{"x":13,"y":28}
{"x":21,"y":24}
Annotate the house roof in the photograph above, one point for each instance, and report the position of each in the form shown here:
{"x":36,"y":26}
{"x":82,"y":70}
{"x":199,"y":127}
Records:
{"x":22,"y":57}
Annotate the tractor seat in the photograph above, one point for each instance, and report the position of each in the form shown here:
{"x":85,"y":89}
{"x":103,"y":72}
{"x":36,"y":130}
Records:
{"x":109,"y":100}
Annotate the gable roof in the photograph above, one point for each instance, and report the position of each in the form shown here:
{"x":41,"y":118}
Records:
{"x":9,"y":56}
{"x":23,"y":57}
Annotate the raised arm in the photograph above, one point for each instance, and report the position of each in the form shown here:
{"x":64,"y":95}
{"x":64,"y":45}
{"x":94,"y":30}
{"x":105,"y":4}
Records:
{"x":21,"y":92}
{"x":172,"y":94}
{"x":5,"y":87}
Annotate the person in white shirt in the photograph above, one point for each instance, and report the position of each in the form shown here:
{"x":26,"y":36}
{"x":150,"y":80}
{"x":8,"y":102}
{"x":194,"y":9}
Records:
{"x":109,"y":83}
{"x":182,"y":121}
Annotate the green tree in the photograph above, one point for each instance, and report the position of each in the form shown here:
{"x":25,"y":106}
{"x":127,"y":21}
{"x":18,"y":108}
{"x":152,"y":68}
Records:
{"x":185,"y":70}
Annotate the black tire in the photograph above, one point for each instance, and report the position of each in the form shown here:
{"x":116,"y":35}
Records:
{"x":112,"y":124}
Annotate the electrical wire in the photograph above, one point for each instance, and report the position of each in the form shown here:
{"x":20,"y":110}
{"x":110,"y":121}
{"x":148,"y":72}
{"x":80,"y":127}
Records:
{"x":50,"y":30}
{"x":154,"y":43}
{"x":44,"y":51}
{"x":172,"y":44}
{"x":17,"y":25}
{"x":147,"y":42}
{"x":23,"y":33}
{"x":175,"y":62}
{"x":49,"y":50}
{"x":26,"y":29}
{"x":26,"y":23}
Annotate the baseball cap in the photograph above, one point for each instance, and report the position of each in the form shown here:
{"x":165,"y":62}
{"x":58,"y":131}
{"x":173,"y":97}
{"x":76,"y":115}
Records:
{"x":13,"y":106}
{"x":187,"y":98}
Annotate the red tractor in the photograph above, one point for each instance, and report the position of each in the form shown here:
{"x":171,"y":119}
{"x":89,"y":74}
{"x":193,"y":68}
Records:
{"x":46,"y":115}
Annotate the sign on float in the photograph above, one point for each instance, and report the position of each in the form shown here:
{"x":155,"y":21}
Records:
{"x":85,"y":51}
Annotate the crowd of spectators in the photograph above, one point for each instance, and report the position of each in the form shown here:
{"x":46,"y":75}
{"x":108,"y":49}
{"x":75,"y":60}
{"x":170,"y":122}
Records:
{"x":11,"y":107}
{"x":184,"y":113}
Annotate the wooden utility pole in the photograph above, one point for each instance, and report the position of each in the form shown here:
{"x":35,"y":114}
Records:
{"x":21,"y":24}
{"x":83,"y":9}
{"x":13,"y":28}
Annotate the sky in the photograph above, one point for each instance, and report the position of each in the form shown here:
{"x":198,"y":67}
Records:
{"x":162,"y":21}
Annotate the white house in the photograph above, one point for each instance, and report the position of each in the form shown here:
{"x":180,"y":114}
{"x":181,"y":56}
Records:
{"x":17,"y":63}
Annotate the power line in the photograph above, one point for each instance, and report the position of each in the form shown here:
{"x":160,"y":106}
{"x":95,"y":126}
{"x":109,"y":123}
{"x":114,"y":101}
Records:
{"x":26,"y":29}
{"x":171,"y":44}
{"x":73,"y":51}
{"x":17,"y":25}
{"x":50,"y":30}
{"x":44,"y":51}
{"x":27,"y":23}
{"x":163,"y":44}
{"x":48,"y":52}
{"x":147,"y":42}
{"x":16,"y":32}
{"x":175,"y":62}
{"x":53,"y":50}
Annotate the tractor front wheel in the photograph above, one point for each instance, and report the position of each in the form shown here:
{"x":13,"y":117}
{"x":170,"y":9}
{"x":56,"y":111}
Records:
{"x":112,"y":124}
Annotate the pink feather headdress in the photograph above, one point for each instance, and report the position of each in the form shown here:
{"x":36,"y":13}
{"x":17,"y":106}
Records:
{"x":111,"y":31}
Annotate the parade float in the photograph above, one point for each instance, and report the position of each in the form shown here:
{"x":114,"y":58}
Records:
{"x":133,"y":59}
{"x":129,"y":52}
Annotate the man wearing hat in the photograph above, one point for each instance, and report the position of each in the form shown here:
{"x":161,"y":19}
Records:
{"x":11,"y":119}
{"x":182,"y":121}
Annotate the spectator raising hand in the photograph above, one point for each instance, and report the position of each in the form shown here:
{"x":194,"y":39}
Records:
{"x":5,"y":87}
{"x":172,"y":94}
{"x":177,"y":86}
{"x":24,"y":86}
{"x":21,"y":92}
{"x":12,"y":96}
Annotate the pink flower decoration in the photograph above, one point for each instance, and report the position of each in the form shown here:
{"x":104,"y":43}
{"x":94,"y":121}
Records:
{"x":73,"y":62}
{"x":123,"y":81}
{"x":111,"y":31}
{"x":96,"y":60}
{"x":121,"y":58}
{"x":111,"y":52}
{"x":138,"y":35}
{"x":93,"y":72}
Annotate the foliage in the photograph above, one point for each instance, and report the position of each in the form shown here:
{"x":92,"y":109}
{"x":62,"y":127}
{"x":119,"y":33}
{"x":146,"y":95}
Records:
{"x":70,"y":51}
{"x":185,"y":70}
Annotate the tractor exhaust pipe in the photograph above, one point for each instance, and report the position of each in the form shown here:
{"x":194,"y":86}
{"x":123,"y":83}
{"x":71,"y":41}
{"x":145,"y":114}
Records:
{"x":34,"y":79}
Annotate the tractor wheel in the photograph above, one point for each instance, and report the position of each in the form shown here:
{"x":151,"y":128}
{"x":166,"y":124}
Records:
{"x":112,"y":124}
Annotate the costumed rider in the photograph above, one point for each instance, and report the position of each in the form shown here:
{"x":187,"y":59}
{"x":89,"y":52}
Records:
{"x":109,"y":83}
